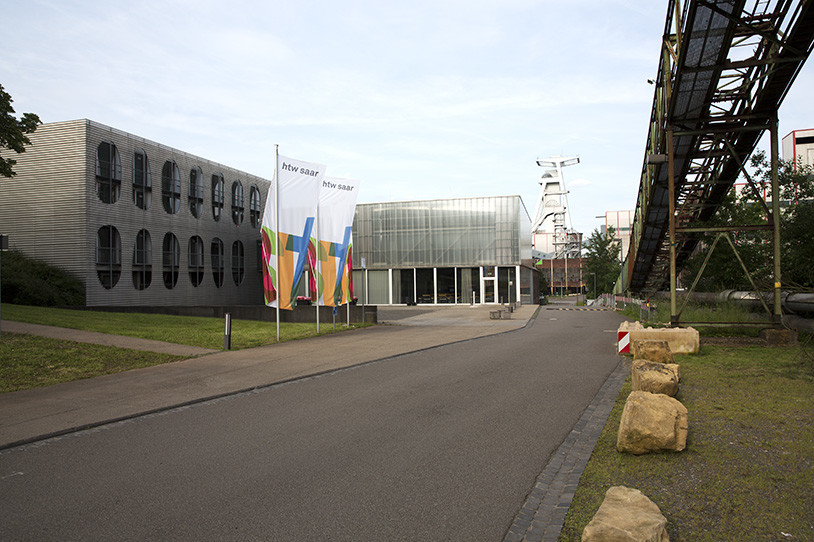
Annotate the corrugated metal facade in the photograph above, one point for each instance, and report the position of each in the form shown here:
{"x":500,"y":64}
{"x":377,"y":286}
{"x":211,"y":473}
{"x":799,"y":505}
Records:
{"x":52,"y":212}
{"x":43,"y":208}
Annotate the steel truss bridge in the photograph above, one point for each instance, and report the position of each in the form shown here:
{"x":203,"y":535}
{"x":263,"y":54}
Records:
{"x":724,"y":69}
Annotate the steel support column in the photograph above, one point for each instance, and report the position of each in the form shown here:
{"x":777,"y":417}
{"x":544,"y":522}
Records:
{"x":778,"y":314}
{"x":671,"y":196}
{"x":715,"y":110}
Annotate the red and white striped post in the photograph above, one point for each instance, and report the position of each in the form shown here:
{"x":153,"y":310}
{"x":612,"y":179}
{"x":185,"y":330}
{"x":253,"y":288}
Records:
{"x":624,"y":342}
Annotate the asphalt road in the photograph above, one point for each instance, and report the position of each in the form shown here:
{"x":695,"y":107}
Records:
{"x":443,"y":444}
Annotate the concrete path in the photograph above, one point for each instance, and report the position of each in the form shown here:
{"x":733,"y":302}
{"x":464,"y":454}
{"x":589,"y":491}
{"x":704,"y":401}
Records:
{"x":31,"y":415}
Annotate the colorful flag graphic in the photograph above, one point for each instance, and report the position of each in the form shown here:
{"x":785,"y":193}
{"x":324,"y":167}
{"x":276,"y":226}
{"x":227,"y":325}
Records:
{"x":291,"y":204}
{"x":337,"y":205}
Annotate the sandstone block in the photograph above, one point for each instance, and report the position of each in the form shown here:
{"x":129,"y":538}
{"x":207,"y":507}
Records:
{"x":676,"y":368}
{"x":682,"y":340}
{"x":652,"y":350}
{"x":652,"y":423}
{"x":626,"y":515}
{"x":654,"y":377}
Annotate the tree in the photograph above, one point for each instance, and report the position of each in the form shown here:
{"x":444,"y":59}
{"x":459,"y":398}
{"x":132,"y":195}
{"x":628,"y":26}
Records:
{"x":723,"y":271}
{"x":796,"y":184}
{"x":797,"y":247}
{"x":544,"y":285}
{"x":601,"y":257}
{"x":13,"y":132}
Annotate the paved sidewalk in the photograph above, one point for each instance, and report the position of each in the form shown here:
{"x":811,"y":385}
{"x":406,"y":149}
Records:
{"x":30,"y":415}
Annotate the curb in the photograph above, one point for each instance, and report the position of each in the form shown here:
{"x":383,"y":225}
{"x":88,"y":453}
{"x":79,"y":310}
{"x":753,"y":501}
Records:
{"x":543,"y":514}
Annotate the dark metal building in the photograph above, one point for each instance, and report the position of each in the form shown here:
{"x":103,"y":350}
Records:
{"x":138,"y":222}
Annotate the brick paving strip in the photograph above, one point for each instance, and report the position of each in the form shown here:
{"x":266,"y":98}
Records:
{"x":543,"y":514}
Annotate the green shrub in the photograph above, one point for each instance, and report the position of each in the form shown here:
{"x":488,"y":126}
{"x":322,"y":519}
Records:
{"x":26,"y":281}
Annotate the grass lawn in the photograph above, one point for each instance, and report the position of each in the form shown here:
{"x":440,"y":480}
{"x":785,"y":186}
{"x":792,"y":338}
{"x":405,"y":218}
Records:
{"x":699,"y":312}
{"x":190,"y":330}
{"x":748,"y":470}
{"x":27,"y":361}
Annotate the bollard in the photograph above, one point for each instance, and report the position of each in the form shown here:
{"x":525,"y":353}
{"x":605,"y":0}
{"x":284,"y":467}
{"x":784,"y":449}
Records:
{"x":227,"y":332}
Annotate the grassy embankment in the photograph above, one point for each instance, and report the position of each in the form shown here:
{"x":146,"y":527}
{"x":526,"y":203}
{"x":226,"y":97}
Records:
{"x":748,"y":470}
{"x":694,"y":312}
{"x":27,"y":362}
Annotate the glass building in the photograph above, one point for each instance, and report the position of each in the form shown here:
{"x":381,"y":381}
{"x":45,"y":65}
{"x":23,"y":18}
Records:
{"x":469,"y":250}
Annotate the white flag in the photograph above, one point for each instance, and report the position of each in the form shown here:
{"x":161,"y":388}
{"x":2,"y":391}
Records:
{"x":285,"y":252}
{"x":337,"y":205}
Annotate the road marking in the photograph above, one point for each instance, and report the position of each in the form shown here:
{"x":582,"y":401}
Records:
{"x":12,"y":474}
{"x":577,"y":309}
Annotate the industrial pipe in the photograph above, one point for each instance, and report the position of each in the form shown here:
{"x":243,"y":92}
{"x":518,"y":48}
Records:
{"x":791,"y":302}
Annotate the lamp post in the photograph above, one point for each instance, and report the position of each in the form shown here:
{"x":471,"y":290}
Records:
{"x":594,"y":274}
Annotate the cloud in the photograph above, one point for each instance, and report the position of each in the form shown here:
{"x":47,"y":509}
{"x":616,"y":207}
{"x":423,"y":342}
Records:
{"x":447,"y":98}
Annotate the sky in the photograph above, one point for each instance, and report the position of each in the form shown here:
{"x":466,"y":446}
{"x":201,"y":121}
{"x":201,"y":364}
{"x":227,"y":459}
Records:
{"x":417,"y":100}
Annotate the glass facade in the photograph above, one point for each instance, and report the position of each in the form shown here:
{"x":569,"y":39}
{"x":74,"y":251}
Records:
{"x":467,"y":250}
{"x":442,"y":233}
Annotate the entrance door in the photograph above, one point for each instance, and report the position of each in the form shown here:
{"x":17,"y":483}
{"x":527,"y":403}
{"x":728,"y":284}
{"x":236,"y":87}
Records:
{"x":488,"y":290}
{"x":488,"y":284}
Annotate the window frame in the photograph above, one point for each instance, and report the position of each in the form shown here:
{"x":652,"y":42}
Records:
{"x":142,"y":260}
{"x":142,"y":187}
{"x":195,"y":260}
{"x":108,"y":173}
{"x":238,"y":262}
{"x":196,"y":191}
{"x":170,"y":260}
{"x":238,"y":206}
{"x":171,"y":187}
{"x":218,"y":195}
{"x":108,"y":256}
{"x":255,"y":206}
{"x":217,"y":261}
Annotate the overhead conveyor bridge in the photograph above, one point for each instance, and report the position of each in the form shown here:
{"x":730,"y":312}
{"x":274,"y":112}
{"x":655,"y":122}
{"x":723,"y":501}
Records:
{"x":724,"y":69}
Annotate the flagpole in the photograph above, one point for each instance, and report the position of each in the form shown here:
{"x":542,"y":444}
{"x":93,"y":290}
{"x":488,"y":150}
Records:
{"x":317,"y":267}
{"x":277,"y":227}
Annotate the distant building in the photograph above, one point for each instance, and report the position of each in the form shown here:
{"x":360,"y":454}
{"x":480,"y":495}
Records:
{"x":564,"y":275}
{"x":798,"y":146}
{"x":622,"y":223}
